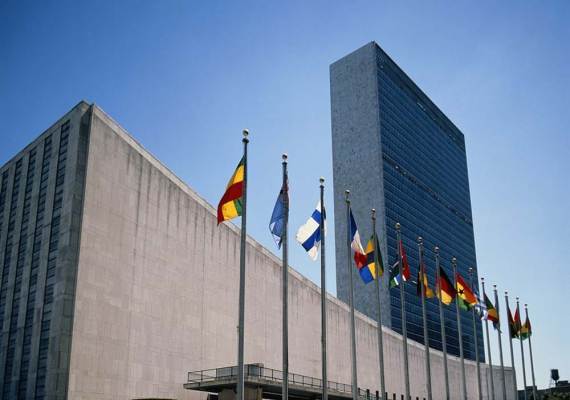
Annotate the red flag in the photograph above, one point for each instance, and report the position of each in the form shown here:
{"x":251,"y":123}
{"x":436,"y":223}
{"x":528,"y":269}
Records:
{"x":406,"y":268}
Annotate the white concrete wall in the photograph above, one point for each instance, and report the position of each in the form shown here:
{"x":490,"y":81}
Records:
{"x":157,"y":292}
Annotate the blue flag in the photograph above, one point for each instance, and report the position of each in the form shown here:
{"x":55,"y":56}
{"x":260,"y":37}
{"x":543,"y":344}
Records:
{"x":277,"y":223}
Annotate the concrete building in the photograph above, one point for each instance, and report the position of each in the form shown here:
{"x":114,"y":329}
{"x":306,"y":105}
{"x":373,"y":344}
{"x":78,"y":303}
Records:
{"x":398,"y":153}
{"x":116,"y":282}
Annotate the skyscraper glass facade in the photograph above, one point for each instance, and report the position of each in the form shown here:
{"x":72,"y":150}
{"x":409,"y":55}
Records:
{"x":425,"y":187}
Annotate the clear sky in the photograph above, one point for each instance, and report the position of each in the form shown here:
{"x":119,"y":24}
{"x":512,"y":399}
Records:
{"x":185,"y":77}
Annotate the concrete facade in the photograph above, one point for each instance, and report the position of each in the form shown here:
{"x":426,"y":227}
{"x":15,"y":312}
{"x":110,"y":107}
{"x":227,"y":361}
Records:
{"x":154,"y":289}
{"x":39,"y":242}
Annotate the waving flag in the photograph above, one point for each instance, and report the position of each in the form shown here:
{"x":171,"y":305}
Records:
{"x":230,"y":205}
{"x":428,"y":292}
{"x":369,"y":271}
{"x":355,"y":244}
{"x":309,"y":235}
{"x":406,"y":267}
{"x":492,"y":313}
{"x":465,"y":295}
{"x":277,"y":223}
{"x":513,"y":324}
{"x":395,"y":274}
{"x":444,"y":288}
{"x":526,"y":329}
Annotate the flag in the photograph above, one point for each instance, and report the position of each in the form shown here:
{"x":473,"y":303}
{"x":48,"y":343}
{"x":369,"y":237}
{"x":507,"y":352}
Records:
{"x":513,"y":324}
{"x":465,"y":295}
{"x":428,"y":292}
{"x":446,"y":292}
{"x":277,"y":222}
{"x":517,"y":321}
{"x":492,"y":313}
{"x":481,"y":308}
{"x":395,"y":274}
{"x":368,"y":272}
{"x":526,"y":330}
{"x":309,"y":235}
{"x":359,"y":255}
{"x":406,"y":267}
{"x":231,"y":202}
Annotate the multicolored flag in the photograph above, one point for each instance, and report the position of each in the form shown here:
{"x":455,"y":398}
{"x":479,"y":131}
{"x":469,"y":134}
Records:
{"x":526,"y":329}
{"x":513,"y":332}
{"x":277,"y":222}
{"x":514,"y":323}
{"x":465,"y":295}
{"x":230,"y":205}
{"x":428,"y":292}
{"x":355,"y":244}
{"x":406,"y":267}
{"x":369,"y":271}
{"x":395,"y":274}
{"x":492,"y":313}
{"x":444,"y":288}
{"x":309,"y":235}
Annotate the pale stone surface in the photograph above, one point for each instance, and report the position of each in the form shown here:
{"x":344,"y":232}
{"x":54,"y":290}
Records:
{"x":157,"y":292}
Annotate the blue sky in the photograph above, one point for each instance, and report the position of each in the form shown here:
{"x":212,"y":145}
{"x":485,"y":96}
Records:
{"x":185,"y":77}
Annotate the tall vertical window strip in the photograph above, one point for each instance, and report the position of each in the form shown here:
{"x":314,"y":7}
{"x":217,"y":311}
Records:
{"x":9,"y":241}
{"x":51,"y":264}
{"x":34,"y":269}
{"x":3,"y":188}
{"x":20,"y":260}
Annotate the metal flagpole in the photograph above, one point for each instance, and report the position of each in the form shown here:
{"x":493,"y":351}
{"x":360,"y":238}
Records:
{"x":522,"y":356}
{"x":488,"y":346}
{"x":424,"y":315}
{"x":403,"y":314}
{"x":285,"y":389}
{"x":477,"y":342}
{"x":323,"y":294}
{"x":241,"y":317}
{"x":459,"y":333}
{"x":512,"y":353}
{"x":534,"y":395}
{"x":380,"y":341}
{"x":442,"y":324}
{"x":499,"y":333}
{"x":351,"y":300}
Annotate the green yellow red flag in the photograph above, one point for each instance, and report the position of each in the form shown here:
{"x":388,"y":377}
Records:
{"x":526,"y":330}
{"x":492,"y":313}
{"x":465,"y":295}
{"x":230,"y":205}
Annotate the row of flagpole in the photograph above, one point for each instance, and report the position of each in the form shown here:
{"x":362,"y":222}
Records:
{"x":370,"y":265}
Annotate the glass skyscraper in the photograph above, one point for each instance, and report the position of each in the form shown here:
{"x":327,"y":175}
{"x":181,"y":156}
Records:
{"x":397,"y":152}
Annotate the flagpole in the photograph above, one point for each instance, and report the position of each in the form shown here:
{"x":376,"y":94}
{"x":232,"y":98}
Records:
{"x":424,"y":315}
{"x":380,"y":341}
{"x":512,"y":352}
{"x":442,"y":325}
{"x":534,"y":395}
{"x":285,"y":389}
{"x":403,"y":314}
{"x":241,"y":316}
{"x":522,"y":356}
{"x":499,"y":334}
{"x":477,"y":341}
{"x":351,"y":300}
{"x":488,"y":347}
{"x":323,"y":293}
{"x":459,"y":333}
